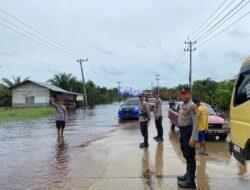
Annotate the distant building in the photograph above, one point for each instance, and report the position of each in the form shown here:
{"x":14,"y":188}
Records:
{"x":37,"y":94}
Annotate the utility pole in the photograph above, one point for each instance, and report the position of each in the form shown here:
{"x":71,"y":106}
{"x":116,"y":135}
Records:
{"x":83,"y":81}
{"x":190,"y":49}
{"x":157,"y":79}
{"x":119,"y":90}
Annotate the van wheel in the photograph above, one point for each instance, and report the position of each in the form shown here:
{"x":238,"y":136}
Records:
{"x":172,"y":126}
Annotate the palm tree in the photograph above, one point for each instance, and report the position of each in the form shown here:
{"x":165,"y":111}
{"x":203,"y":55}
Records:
{"x":5,"y":91}
{"x":16,"y":80}
{"x":64,"y":81}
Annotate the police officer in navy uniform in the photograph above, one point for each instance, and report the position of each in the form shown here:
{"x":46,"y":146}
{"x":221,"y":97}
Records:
{"x":188,"y":136}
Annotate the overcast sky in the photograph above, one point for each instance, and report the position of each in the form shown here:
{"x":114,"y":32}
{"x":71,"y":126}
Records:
{"x":128,"y":41}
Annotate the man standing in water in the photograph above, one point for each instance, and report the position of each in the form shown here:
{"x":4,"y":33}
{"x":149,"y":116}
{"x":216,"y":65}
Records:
{"x":188,"y":136}
{"x":61,"y":116}
{"x":203,"y":126}
{"x":158,"y":117}
{"x":144,"y":118}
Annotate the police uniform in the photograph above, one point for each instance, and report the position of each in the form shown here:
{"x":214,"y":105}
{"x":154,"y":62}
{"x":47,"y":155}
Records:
{"x":188,"y":131}
{"x":158,"y":118}
{"x":144,"y":118}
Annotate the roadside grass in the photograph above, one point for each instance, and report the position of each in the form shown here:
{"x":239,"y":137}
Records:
{"x":9,"y":114}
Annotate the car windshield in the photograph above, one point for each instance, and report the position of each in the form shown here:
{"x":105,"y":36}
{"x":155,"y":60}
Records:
{"x":210,"y":109}
{"x":134,"y":101}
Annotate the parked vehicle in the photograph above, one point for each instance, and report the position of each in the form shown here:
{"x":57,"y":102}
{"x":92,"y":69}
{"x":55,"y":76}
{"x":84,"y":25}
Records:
{"x":129,"y":109}
{"x":239,"y":137}
{"x":217,"y":126}
{"x":151,"y":103}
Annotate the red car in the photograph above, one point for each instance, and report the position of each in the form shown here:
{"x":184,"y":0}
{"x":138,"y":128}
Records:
{"x":217,"y":126}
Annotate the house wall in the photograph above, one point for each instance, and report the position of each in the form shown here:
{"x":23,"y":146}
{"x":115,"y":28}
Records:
{"x":30,"y":95}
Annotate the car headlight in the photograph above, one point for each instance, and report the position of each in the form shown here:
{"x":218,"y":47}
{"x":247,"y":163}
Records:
{"x":225,"y":126}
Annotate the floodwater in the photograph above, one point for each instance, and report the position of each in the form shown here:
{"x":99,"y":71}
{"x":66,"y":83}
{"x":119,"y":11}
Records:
{"x":98,"y":152}
{"x":30,"y":153}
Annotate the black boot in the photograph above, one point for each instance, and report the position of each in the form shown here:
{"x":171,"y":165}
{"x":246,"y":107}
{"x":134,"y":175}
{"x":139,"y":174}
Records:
{"x":182,"y":178}
{"x":143,"y":145}
{"x":187,"y":184}
{"x":159,"y":139}
{"x":156,"y":137}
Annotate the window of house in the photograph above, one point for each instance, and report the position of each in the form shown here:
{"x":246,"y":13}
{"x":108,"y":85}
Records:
{"x":29,"y":100}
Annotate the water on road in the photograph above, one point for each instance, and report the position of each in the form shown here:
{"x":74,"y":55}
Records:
{"x":32,"y":158}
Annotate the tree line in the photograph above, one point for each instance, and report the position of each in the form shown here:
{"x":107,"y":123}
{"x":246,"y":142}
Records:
{"x":96,"y":94}
{"x":207,"y":90}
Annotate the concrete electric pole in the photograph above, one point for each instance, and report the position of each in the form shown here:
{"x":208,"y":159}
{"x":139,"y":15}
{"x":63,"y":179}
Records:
{"x":190,"y":49}
{"x":83,"y":81}
{"x":157,"y":79}
{"x":119,"y":90}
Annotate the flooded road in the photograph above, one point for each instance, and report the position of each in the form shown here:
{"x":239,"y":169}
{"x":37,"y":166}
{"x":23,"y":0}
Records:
{"x":30,"y":154}
{"x":98,"y":152}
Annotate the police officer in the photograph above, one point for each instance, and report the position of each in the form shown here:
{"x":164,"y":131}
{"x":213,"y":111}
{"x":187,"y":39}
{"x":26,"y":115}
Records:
{"x":144,"y":118}
{"x":188,"y":136}
{"x":158,"y":117}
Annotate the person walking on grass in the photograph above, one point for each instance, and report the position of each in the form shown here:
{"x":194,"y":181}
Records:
{"x":144,"y":118}
{"x":158,"y":117}
{"x":203,"y":126}
{"x":188,"y":136}
{"x":61,"y":116}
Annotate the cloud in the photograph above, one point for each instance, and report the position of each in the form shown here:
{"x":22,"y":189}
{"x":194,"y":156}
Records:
{"x":204,"y":55}
{"x":149,"y":44}
{"x":111,"y":70}
{"x":102,"y":50}
{"x":237,"y":32}
{"x":233,"y":55}
{"x":144,"y":44}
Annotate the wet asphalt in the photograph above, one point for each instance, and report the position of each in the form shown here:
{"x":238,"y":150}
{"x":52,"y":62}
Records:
{"x":100,"y":153}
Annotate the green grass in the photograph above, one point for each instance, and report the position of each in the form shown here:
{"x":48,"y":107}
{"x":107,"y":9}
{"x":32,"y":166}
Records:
{"x":9,"y":114}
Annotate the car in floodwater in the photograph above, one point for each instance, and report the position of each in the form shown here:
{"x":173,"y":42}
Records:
{"x":217,"y":126}
{"x":129,"y":109}
{"x":239,"y":137}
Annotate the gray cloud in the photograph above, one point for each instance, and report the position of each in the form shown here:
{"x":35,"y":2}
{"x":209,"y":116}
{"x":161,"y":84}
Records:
{"x":112,"y":70}
{"x":238,"y":32}
{"x":103,"y":50}
{"x":232,"y":55}
{"x":126,"y":34}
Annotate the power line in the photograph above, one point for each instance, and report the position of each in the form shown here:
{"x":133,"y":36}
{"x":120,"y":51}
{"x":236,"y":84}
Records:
{"x":221,"y":21}
{"x":221,"y":5}
{"x":33,"y":39}
{"x":217,"y":16}
{"x":41,"y":43}
{"x":37,"y":31}
{"x":177,"y":55}
{"x":35,"y":36}
{"x":223,"y":30}
{"x":177,"y":65}
{"x":31,"y":60}
{"x":92,"y":68}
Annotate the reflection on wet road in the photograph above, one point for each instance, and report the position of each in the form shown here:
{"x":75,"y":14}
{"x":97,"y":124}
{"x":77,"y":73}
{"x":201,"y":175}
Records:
{"x":30,"y":155}
{"x":32,"y":158}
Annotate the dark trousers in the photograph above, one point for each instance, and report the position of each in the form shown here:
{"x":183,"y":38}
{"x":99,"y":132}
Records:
{"x":144,"y":131}
{"x":188,"y":152}
{"x":158,"y":124}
